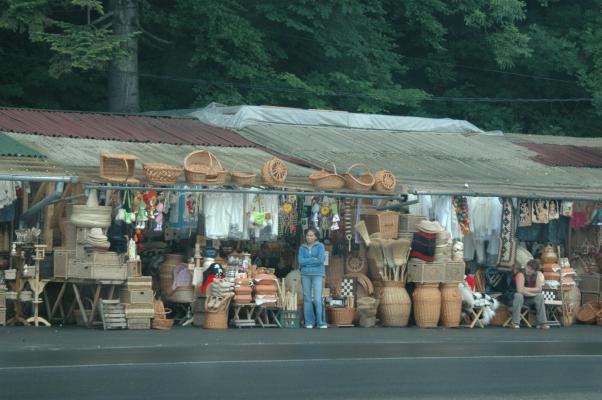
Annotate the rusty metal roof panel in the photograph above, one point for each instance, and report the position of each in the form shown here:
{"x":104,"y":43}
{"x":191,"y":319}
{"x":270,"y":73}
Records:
{"x":122,"y":127}
{"x":564,"y":155}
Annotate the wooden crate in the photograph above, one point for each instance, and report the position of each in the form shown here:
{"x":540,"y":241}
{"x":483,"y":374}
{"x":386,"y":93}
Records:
{"x":426,"y":272}
{"x":454,"y":271}
{"x":139,"y":282}
{"x":408,"y":223}
{"x":79,"y":269}
{"x":117,"y":272}
{"x":112,"y":314}
{"x":62,"y":258}
{"x":139,"y":310}
{"x":10,"y":274}
{"x":134,"y":268}
{"x":384,"y":222}
{"x":104,"y":258}
{"x":140,"y":296}
{"x":139,"y":323}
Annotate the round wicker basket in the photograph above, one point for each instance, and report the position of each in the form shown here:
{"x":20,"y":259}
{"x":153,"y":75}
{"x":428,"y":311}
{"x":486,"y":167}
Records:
{"x":588,"y":313}
{"x":243,"y":178}
{"x":327,"y":180}
{"x":384,"y":181}
{"x":340,"y":316}
{"x":202,"y":167}
{"x":274,"y":172}
{"x":363,"y":183}
{"x":162,"y":174}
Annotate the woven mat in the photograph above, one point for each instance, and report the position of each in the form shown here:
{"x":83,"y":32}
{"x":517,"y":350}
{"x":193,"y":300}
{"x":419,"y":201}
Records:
{"x":507,"y":254}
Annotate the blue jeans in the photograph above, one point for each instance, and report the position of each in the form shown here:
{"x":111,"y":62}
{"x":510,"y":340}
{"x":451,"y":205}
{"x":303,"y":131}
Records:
{"x":312,"y":284}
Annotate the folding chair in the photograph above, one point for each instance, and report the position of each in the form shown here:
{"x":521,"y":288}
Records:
{"x":524,"y":312}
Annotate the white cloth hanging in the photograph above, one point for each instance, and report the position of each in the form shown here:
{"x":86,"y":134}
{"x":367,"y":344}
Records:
{"x":224,"y":215}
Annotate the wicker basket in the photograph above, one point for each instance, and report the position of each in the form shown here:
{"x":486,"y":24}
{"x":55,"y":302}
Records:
{"x":363,"y":183}
{"x":243,"y":178}
{"x":162,"y":323}
{"x":340,"y":316}
{"x":118,"y":167}
{"x":588,"y":313}
{"x":201,"y":167}
{"x":216,"y":319}
{"x":274,"y":172}
{"x":384,"y":181}
{"x":327,"y":180}
{"x":162,"y":174}
{"x":384,"y":222}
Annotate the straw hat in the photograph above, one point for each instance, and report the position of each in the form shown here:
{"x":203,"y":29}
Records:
{"x":96,"y":233}
{"x":429,"y":226}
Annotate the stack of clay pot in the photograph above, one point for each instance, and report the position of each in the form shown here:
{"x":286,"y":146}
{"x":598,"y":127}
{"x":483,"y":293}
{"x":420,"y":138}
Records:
{"x":266,"y":289}
{"x":243,"y":291}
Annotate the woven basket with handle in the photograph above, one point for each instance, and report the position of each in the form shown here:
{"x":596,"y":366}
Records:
{"x":243,"y":178}
{"x":274,"y":172}
{"x":118,"y":167}
{"x":162,"y":174}
{"x":202,"y":167}
{"x":326,"y":179}
{"x":340,"y":315}
{"x":362,"y":183}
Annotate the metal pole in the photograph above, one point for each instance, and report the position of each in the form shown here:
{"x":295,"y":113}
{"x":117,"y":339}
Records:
{"x":38,"y":178}
{"x":394,"y":196}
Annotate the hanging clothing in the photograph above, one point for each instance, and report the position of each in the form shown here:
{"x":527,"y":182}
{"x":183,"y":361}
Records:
{"x":224,"y":215}
{"x":8,"y":193}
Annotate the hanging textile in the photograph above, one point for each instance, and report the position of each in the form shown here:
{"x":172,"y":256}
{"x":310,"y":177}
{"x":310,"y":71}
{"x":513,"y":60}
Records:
{"x":524,"y":207}
{"x":8,"y":193}
{"x":224,"y":214}
{"x":507,"y":253}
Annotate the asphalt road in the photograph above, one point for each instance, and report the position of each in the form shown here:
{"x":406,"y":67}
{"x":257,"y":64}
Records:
{"x":431,"y":370}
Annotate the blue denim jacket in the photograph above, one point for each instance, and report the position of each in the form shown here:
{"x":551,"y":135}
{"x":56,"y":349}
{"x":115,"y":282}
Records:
{"x":311,"y":261}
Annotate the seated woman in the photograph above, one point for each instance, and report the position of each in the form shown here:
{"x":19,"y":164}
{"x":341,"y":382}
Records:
{"x":529,"y":293}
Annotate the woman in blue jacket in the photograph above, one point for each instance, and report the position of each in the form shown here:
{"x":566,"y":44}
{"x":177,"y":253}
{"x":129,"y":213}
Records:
{"x":311,"y":264}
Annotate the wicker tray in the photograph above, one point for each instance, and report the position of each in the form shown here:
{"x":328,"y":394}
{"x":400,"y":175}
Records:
{"x":162,"y":174}
{"x":327,"y":180}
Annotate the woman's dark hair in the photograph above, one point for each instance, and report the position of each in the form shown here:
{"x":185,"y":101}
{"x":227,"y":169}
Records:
{"x":534,"y":264}
{"x":315,"y":231}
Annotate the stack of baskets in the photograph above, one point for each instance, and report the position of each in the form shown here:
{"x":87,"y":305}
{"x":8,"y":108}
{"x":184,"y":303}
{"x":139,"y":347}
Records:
{"x":327,"y":180}
{"x":201,"y":167}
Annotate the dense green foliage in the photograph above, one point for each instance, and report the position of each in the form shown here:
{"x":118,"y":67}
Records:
{"x":479,"y":60}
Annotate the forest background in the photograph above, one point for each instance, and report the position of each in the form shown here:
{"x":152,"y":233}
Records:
{"x":524,"y":66}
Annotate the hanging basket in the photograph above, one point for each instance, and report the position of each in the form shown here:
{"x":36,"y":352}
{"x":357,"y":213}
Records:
{"x":363,"y":183}
{"x":162,"y":174}
{"x":118,"y":167}
{"x":243,"y":178}
{"x":384,"y":181}
{"x":327,"y":180}
{"x":201,"y":167}
{"x":274,"y":172}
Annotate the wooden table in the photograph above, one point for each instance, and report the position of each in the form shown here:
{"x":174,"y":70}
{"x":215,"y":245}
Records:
{"x":267,"y":317}
{"x":243,"y":315}
{"x":78,"y":286}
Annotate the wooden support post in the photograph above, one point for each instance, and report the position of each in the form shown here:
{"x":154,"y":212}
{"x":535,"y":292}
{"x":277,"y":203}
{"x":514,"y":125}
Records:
{"x":80,"y":304}
{"x":48,"y":214}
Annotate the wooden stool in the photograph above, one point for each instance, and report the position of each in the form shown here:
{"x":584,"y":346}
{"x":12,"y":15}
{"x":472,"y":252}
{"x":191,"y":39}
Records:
{"x":473,"y":318}
{"x":524,"y":312}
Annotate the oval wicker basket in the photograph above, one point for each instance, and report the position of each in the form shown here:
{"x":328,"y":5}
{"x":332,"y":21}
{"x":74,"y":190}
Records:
{"x":340,"y":316}
{"x":162,"y":323}
{"x":162,"y":174}
{"x":216,"y":319}
{"x":327,"y":180}
{"x":274,"y":172}
{"x":384,"y":181}
{"x":243,"y":178}
{"x":588,"y":313}
{"x":362,"y":183}
{"x":202,"y":167}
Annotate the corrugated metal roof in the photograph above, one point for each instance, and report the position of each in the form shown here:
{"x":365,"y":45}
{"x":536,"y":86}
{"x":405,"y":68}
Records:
{"x":429,"y":162}
{"x":136,"y":128}
{"x":561,"y":155}
{"x":81,"y":157}
{"x":11,"y":148}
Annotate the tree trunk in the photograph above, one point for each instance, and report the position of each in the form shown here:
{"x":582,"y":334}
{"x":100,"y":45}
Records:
{"x":123,"y":72}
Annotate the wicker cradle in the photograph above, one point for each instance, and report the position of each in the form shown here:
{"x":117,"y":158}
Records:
{"x":202,"y":167}
{"x":118,"y":167}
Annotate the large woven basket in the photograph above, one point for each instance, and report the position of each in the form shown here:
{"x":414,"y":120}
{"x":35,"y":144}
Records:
{"x":118,"y":167}
{"x":326,"y":179}
{"x":362,"y":183}
{"x":588,"y":313}
{"x":384,"y":181}
{"x":202,"y":167}
{"x":162,"y":174}
{"x":274,"y":172}
{"x":243,"y":178}
{"x":340,"y":316}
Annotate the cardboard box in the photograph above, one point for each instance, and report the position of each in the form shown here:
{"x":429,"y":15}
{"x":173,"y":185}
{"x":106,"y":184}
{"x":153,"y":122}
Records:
{"x":426,"y":272}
